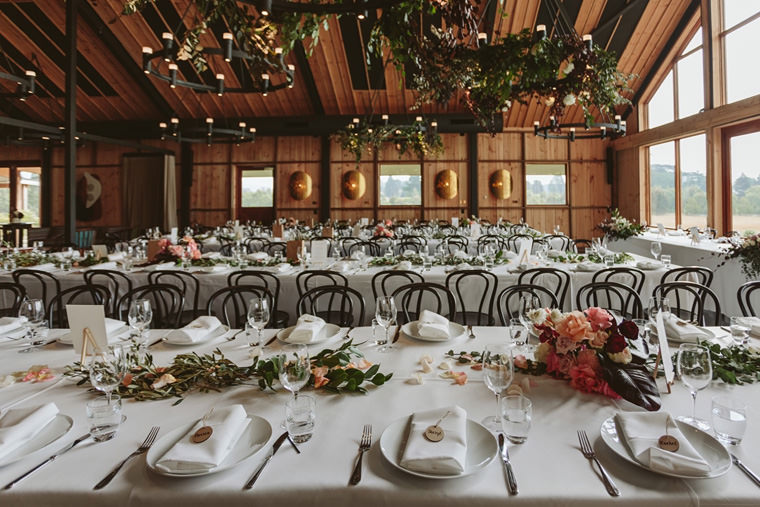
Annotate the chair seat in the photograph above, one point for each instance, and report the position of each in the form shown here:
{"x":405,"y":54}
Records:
{"x":474,"y":319}
{"x":279,"y":320}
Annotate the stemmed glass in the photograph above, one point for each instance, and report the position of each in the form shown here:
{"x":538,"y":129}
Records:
{"x":656,"y":249}
{"x":497,"y":375}
{"x":107,"y":369}
{"x":295,"y":368}
{"x":258,"y":315}
{"x":528,"y":305}
{"x":139,"y":317}
{"x":385,"y":314}
{"x":658,"y":305}
{"x":695,"y":369}
{"x":32,"y":314}
{"x":517,"y":332}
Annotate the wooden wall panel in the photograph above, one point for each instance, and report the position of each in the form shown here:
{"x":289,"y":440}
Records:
{"x":389,"y":154}
{"x":630,"y":184}
{"x":454,"y":148}
{"x":338,"y":155}
{"x":584,"y":222}
{"x":210,"y":189}
{"x":260,"y":151}
{"x":502,"y":146}
{"x":588,"y":184}
{"x":538,"y":148}
{"x":545,"y":218}
{"x":299,"y":149}
{"x":589,"y":150}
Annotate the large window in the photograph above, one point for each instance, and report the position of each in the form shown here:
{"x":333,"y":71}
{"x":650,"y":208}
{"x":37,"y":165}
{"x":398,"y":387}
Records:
{"x":20,"y":190}
{"x":741,"y":38}
{"x":400,"y":185}
{"x":257,"y":188}
{"x":745,"y":182}
{"x":678,"y":183}
{"x":681,"y":93}
{"x":545,"y":184}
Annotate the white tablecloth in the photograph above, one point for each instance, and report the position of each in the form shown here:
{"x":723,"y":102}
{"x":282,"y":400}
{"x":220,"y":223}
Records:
{"x":549,"y":467}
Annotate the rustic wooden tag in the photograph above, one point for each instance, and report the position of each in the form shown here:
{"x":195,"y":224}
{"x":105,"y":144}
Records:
{"x":434,"y":433}
{"x":203,"y":434}
{"x":668,"y":443}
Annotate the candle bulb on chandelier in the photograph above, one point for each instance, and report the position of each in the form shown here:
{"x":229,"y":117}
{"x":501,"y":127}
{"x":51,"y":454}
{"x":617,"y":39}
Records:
{"x":535,"y":128}
{"x":385,"y":119}
{"x":168,"y":41}
{"x":541,"y":31}
{"x":588,"y":40}
{"x":227,"y":40}
{"x":147,"y":65}
{"x":482,"y":38}
{"x":173,"y":75}
{"x":219,"y":84}
{"x":265,"y":79}
{"x":572,"y":133}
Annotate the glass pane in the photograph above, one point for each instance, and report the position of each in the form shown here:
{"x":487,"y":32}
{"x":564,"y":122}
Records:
{"x":695,"y":41}
{"x":29,"y":194}
{"x":742,"y":75}
{"x":5,"y":195}
{"x":400,"y":185}
{"x":545,"y":184}
{"x":690,"y":85}
{"x":257,"y":188}
{"x":745,"y":182}
{"x":736,"y":11}
{"x":661,"y":107}
{"x":693,"y":181}
{"x":662,"y":190}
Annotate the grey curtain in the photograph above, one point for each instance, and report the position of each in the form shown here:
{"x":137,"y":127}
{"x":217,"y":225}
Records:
{"x":142,"y":183}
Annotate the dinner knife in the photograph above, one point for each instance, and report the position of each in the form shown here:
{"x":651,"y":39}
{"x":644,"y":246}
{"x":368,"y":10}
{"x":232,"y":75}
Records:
{"x":749,"y":473}
{"x":511,"y":481}
{"x":51,"y":458}
{"x":275,"y":447}
{"x":397,"y":334}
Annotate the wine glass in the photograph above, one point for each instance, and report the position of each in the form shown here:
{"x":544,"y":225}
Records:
{"x":107,"y":369}
{"x":528,"y":305}
{"x":258,"y":315}
{"x":294,"y":367}
{"x":517,"y":332}
{"x":695,"y":369}
{"x":656,"y":249}
{"x":385,"y":314}
{"x":497,"y":375}
{"x":139,"y":317}
{"x":657,"y":305}
{"x":32,"y":314}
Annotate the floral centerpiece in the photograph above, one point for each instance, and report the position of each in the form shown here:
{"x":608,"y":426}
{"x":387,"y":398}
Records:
{"x":169,"y":252}
{"x":466,"y":221}
{"x":747,"y":250}
{"x":619,"y":227}
{"x":590,"y":349}
{"x":383,"y":230}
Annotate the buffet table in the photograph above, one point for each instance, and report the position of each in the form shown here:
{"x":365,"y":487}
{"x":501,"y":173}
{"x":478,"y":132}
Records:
{"x":549,"y":467}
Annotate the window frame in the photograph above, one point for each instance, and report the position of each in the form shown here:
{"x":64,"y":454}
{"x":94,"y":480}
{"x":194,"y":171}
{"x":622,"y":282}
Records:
{"x":567,"y":185}
{"x":722,"y":48}
{"x":242,"y":169}
{"x":380,"y":165}
{"x":14,"y":168}
{"x":749,"y":127}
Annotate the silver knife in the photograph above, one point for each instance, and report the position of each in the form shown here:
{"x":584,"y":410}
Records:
{"x":51,"y":458}
{"x":275,"y":447}
{"x":749,"y":473}
{"x":511,"y":481}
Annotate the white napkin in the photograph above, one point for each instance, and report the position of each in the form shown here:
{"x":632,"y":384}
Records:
{"x":113,"y":330}
{"x":258,"y":256}
{"x":649,"y":264}
{"x":116,"y":256}
{"x":680,"y":330}
{"x":588,"y":266}
{"x":307,"y":329}
{"x":404,"y":265}
{"x":18,"y":426}
{"x":509,"y":254}
{"x":343,"y":266}
{"x":104,"y":265}
{"x":195,"y":332}
{"x":445,"y":457}
{"x":752,"y":322}
{"x":8,"y":324}
{"x":553,"y":254}
{"x":282,"y":267}
{"x":211,"y":255}
{"x":461,"y":254}
{"x":185,"y":456}
{"x":642,"y":430}
{"x":49,"y":266}
{"x":433,"y":326}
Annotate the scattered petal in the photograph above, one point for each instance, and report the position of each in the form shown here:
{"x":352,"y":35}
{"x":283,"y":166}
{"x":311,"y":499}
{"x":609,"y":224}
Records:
{"x":445,"y":365}
{"x":163,"y":380}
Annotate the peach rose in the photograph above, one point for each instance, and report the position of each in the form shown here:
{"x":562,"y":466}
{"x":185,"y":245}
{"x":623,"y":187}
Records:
{"x":598,"y":339}
{"x":574,"y":326}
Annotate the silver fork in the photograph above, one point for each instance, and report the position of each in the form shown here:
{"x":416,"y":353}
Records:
{"x":589,"y":453}
{"x":364,"y":446}
{"x":143,"y":448}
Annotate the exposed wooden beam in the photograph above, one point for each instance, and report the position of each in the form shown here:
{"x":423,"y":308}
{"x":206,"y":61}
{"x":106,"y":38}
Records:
{"x":613,"y":20}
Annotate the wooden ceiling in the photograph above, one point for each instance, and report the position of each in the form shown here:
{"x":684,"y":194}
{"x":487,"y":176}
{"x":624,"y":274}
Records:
{"x":334,"y":80}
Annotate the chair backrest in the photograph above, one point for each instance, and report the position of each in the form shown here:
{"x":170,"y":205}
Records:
{"x":515,"y":240}
{"x":557,"y":280}
{"x":276,"y":246}
{"x":491,"y":239}
{"x":411,"y":299}
{"x":696,"y":274}
{"x":118,"y":284}
{"x":345,"y":244}
{"x":371,"y":248}
{"x":690,"y":301}
{"x":412,"y":243}
{"x":632,"y":277}
{"x":264,"y":279}
{"x":230,"y":304}
{"x":613,"y":296}
{"x":455,"y":243}
{"x":580,"y":245}
{"x":386,"y":282}
{"x":339,"y":305}
{"x":37,"y":282}
{"x":558,"y":242}
{"x":508,"y":300}
{"x":83,"y":239}
{"x":382,"y":243}
{"x":306,"y":280}
{"x":188,"y":283}
{"x":226,"y":250}
{"x":745,"y":295}
{"x":166,"y":301}
{"x":11,"y":294}
{"x":86,"y":294}
{"x":475,"y":292}
{"x":256,"y":244}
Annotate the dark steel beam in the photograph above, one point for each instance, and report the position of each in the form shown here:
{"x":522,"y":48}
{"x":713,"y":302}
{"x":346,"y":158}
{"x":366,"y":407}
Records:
{"x":472,"y":163}
{"x":305,"y":73}
{"x":622,"y":12}
{"x":324,"y":178}
{"x":70,"y":121}
{"x":46,"y":218}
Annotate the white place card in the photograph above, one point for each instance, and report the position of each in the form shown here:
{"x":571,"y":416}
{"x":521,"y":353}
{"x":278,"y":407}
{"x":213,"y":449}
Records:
{"x":92,"y":317}
{"x":174,"y":235}
{"x":694,"y":233}
{"x":524,"y":254}
{"x":357,"y":231}
{"x":475,"y":229}
{"x":667,"y":360}
{"x":661,"y":229}
{"x":319,"y":251}
{"x":365,"y":221}
{"x":100,"y":251}
{"x":455,"y":221}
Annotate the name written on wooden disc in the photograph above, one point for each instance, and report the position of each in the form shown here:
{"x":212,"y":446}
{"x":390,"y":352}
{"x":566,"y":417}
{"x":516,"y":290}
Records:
{"x":203,"y":434}
{"x":434,"y":433}
{"x":668,"y":443}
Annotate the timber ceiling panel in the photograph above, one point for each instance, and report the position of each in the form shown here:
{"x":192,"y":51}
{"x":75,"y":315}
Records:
{"x":333,"y":80}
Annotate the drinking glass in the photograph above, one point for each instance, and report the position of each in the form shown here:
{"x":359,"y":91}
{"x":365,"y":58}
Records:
{"x":295,"y":367}
{"x":139,"y":317}
{"x":517,"y":332}
{"x":104,"y":417}
{"x":497,"y":375}
{"x":300,"y":418}
{"x":695,"y":369}
{"x":107,"y":369}
{"x":385,"y":314}
{"x":32,"y":314}
{"x":609,"y":260}
{"x":729,"y":419}
{"x":258,"y":315}
{"x":516,"y":415}
{"x":528,"y":305}
{"x":656,"y":249}
{"x":665,"y":258}
{"x":643,"y":326}
{"x":739,"y":330}
{"x":427,"y":263}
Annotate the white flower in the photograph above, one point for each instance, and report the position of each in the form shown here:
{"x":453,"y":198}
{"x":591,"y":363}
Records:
{"x":570,"y":67}
{"x":538,"y":316}
{"x":556,"y":315}
{"x":416,"y":379}
{"x":549,"y":102}
{"x":622,"y":357}
{"x":163,"y":380}
{"x":569,"y":99}
{"x":542,"y":351}
{"x":7,"y":380}
{"x":427,"y":367}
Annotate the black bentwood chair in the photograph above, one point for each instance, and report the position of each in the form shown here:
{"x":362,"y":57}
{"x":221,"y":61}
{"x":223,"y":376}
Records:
{"x":475,"y":291}
{"x":690,"y":301}
{"x":415,"y":297}
{"x":746,"y":295}
{"x":166,"y":302}
{"x":508,"y":300}
{"x":86,"y":294}
{"x":342,"y":306}
{"x":11,"y":294}
{"x":616,"y":297}
{"x":269,"y":281}
{"x":230,"y":304}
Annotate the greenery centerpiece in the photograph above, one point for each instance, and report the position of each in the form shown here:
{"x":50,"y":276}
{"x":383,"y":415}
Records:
{"x":747,"y":250}
{"x":619,"y":227}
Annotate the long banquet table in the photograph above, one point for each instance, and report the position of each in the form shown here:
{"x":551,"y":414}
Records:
{"x":549,"y":467}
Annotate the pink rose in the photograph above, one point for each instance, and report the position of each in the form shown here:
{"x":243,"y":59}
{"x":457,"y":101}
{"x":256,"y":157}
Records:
{"x":163,"y":243}
{"x":565,"y":345}
{"x":559,"y":365}
{"x":598,"y":318}
{"x":176,"y":250}
{"x":588,"y":357}
{"x":574,"y":326}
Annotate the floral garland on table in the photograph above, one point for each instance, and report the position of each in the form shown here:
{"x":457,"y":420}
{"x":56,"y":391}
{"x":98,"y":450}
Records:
{"x":747,"y":250}
{"x":619,"y":227}
{"x":35,"y":374}
{"x":574,"y":258}
{"x":449,"y":260}
{"x":340,"y":370}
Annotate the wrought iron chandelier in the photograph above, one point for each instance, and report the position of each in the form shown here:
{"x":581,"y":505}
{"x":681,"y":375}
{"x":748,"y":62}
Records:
{"x":25,"y":85}
{"x":208,"y":134}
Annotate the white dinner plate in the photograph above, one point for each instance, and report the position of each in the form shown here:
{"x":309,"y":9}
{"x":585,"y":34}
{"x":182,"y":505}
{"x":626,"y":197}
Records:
{"x":328,"y":332}
{"x":55,"y":429}
{"x":254,"y":438}
{"x":220,"y":331}
{"x":481,"y":448}
{"x":410,"y":330}
{"x":705,"y":444}
{"x":116,"y":336}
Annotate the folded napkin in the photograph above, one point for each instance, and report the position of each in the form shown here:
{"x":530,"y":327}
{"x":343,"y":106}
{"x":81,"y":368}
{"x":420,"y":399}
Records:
{"x":258,"y":256}
{"x":588,"y":266}
{"x":18,"y":426}
{"x":509,"y":254}
{"x":210,"y":240}
{"x":117,"y":256}
{"x":307,"y":329}
{"x":448,"y":456}
{"x":113,"y":329}
{"x":641,"y":431}
{"x":158,"y":267}
{"x":185,"y":456}
{"x":679,"y":330}
{"x":282,"y":267}
{"x":404,"y":265}
{"x":753,"y":323}
{"x":432,"y":326}
{"x":195,"y":332}
{"x":211,"y":255}
{"x":104,"y":265}
{"x":649,"y":265}
{"x":677,"y":232}
{"x":216,"y":268}
{"x":8,"y":324}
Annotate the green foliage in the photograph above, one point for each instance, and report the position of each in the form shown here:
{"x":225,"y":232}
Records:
{"x":734,"y":365}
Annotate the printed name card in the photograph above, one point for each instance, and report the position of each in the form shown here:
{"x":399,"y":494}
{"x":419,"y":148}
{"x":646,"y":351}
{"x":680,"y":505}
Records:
{"x":455,"y":221}
{"x":667,"y":360}
{"x":91,"y":318}
{"x":524,"y":255}
{"x":661,"y":229}
{"x":319,"y":251}
{"x":100,"y":251}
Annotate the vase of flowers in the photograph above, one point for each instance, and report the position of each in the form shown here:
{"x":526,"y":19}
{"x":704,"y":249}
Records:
{"x":168,"y":252}
{"x":619,"y":227}
{"x":747,"y":250}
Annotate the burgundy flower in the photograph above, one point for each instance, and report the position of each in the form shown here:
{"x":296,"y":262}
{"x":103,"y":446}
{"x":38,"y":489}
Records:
{"x":629,"y":329}
{"x":615,"y":343}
